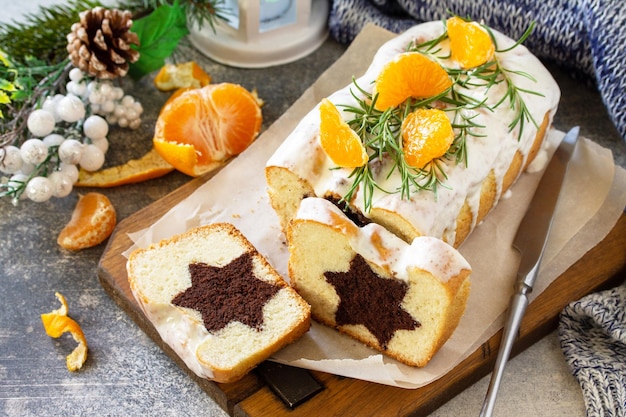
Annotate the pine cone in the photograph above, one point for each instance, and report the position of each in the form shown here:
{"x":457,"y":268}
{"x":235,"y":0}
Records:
{"x":100,"y":44}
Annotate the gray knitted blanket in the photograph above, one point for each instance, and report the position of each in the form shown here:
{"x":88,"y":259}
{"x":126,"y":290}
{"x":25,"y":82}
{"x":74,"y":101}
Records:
{"x":587,"y":37}
{"x":593,"y":338}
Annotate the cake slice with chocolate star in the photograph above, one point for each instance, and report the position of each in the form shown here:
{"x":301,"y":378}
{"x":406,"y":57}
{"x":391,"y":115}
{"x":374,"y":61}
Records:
{"x":216,"y":301}
{"x":402,"y":299}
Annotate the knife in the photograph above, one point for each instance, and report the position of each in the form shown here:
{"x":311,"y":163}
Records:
{"x":530,"y":241}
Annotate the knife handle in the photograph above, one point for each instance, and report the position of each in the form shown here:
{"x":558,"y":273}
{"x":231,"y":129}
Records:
{"x":519,"y":302}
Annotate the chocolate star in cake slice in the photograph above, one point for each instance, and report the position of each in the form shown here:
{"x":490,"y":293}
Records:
{"x":402,"y":299}
{"x":216,"y":301}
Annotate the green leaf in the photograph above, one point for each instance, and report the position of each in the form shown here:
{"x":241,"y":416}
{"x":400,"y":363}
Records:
{"x":159,"y":34}
{"x":4,"y":98}
{"x":7,"y":85}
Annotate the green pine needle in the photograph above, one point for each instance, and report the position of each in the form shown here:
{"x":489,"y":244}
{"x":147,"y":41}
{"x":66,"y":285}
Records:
{"x":42,"y":35}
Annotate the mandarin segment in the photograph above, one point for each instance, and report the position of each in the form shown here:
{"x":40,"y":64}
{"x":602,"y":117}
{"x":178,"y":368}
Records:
{"x":470,"y":44}
{"x":198,"y":129}
{"x":427,"y":134}
{"x":410,"y":74}
{"x":342,"y":145}
{"x":92,"y":222}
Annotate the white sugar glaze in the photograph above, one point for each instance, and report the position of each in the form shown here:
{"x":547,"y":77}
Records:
{"x":430,"y":215}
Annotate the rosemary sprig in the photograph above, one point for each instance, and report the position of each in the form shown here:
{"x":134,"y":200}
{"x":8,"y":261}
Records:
{"x":380,"y":131}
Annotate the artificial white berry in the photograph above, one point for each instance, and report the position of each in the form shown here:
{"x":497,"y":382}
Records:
{"x":39,"y":189}
{"x":76,"y":74}
{"x":34,"y":151}
{"x":76,"y":88}
{"x":92,"y":158}
{"x":53,"y":139}
{"x":40,"y":122}
{"x":10,"y":159}
{"x":135,"y":124}
{"x":108,"y":106}
{"x":95,"y":127}
{"x":70,"y":171}
{"x":70,"y":151}
{"x":102,"y":144}
{"x":61,"y":184}
{"x":70,"y":108}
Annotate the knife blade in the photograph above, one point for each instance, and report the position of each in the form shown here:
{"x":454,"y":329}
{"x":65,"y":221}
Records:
{"x":530,"y":241}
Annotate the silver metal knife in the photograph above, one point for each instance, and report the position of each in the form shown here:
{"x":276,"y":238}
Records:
{"x":530,"y":240}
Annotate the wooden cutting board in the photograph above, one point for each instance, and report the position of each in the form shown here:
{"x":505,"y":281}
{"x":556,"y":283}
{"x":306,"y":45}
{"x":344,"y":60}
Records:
{"x":600,"y":268}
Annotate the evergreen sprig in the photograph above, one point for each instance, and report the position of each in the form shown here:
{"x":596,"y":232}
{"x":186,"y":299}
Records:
{"x":42,"y":34}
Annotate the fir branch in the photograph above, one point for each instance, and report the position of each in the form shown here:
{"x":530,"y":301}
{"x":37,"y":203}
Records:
{"x":42,"y":34}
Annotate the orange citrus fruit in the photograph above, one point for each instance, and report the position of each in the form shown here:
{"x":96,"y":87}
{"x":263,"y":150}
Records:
{"x":92,"y":222}
{"x":186,"y":74}
{"x":342,"y":145}
{"x":410,"y":74}
{"x":426,"y":134}
{"x":470,"y":44}
{"x":201,"y":128}
{"x":149,"y":166}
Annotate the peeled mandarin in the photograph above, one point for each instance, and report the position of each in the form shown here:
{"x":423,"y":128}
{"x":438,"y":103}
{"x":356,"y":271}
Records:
{"x":201,"y":128}
{"x":410,"y":74}
{"x":92,"y":222}
{"x":427,"y":134}
{"x":342,"y":145}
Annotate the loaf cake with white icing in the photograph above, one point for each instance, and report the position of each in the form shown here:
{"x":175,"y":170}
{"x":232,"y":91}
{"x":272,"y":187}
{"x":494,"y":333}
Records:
{"x":404,"y":300}
{"x":216,"y":301}
{"x":499,"y":112}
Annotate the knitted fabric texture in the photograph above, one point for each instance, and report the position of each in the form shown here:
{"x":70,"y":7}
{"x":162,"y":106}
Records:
{"x":585,"y":37}
{"x":593,"y":338}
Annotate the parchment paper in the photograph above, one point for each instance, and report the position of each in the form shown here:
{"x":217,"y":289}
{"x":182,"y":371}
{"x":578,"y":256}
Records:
{"x":594,"y":200}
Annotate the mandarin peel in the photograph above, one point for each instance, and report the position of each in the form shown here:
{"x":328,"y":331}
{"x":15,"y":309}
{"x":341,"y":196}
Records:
{"x":56,"y":323}
{"x":182,"y":75}
{"x":342,"y":145}
{"x":149,"y":166}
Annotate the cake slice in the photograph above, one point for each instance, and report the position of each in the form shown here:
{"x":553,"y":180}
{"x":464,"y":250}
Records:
{"x":402,"y":299}
{"x":216,"y":301}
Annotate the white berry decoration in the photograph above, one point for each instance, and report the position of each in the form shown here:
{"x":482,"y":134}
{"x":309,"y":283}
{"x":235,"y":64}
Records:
{"x":34,"y":151}
{"x":92,"y":158}
{"x":70,"y":108}
{"x":95,"y":127}
{"x":40,"y":122}
{"x":39,"y":189}
{"x":70,"y":151}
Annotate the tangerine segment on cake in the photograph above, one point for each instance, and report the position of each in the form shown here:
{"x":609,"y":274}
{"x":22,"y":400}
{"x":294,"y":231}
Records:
{"x":499,"y":112}
{"x":404,"y":300}
{"x":216,"y":301}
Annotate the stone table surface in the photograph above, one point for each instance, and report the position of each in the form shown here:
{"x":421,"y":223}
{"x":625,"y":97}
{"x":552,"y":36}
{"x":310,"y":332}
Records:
{"x":126,"y":373}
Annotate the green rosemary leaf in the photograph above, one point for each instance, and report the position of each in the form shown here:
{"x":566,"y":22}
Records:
{"x":159,"y":34}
